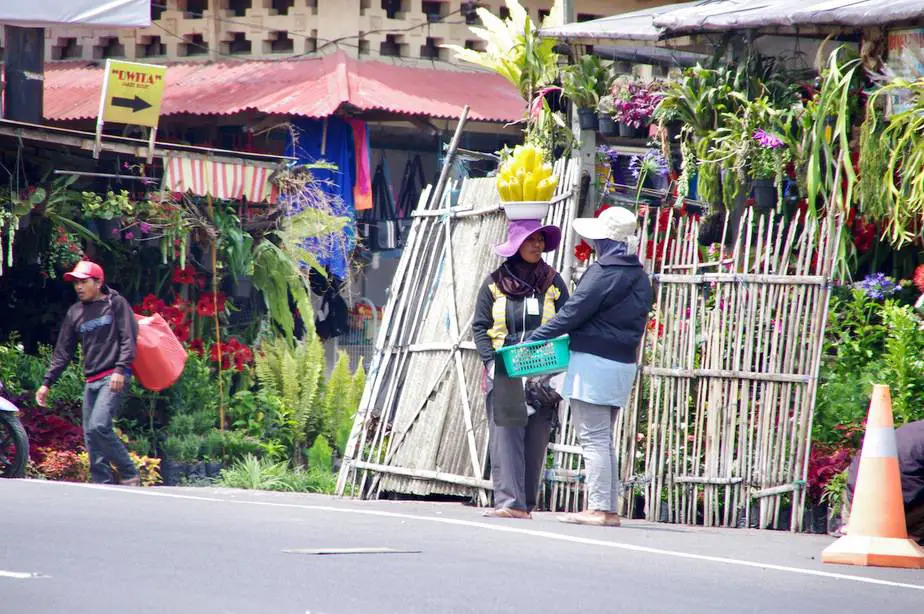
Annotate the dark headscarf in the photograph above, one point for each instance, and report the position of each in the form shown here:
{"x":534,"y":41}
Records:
{"x":517,"y":278}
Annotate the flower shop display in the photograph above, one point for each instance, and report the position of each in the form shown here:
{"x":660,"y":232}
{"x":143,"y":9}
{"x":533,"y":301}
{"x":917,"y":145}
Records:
{"x":584,"y":83}
{"x":634,"y":104}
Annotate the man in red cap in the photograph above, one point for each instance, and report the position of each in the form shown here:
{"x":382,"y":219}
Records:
{"x":103,"y":322}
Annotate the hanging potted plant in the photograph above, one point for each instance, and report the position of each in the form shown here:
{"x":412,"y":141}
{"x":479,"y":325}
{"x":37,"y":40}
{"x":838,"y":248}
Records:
{"x":584,"y":83}
{"x":635,"y":103}
{"x":605,"y":110}
{"x":236,"y":247}
{"x":106,"y":213}
{"x":767,"y":167}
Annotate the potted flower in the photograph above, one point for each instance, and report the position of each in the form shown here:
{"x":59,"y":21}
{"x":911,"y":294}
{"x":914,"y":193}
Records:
{"x":650,"y":170}
{"x":584,"y":83}
{"x":635,"y":103}
{"x":766,"y":168}
{"x":606,"y":108}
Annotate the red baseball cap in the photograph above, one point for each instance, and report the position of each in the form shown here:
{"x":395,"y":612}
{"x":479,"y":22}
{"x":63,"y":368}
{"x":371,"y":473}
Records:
{"x":85,"y":270}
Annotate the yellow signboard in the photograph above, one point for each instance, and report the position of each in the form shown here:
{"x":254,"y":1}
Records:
{"x":132,"y":93}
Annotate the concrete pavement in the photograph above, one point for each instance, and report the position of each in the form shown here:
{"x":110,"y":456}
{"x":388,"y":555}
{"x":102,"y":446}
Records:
{"x":76,"y":548}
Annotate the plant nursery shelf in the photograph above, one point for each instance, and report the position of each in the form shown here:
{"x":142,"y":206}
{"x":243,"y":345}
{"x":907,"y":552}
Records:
{"x":781,"y":378}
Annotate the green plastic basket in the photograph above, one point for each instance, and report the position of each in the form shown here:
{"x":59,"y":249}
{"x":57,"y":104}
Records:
{"x":536,"y":357}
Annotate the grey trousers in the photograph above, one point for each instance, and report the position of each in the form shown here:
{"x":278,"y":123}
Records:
{"x":595,"y":425}
{"x":104,"y":447}
{"x":517,"y":458}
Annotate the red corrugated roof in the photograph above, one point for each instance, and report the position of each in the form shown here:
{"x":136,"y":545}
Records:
{"x":314,"y":87}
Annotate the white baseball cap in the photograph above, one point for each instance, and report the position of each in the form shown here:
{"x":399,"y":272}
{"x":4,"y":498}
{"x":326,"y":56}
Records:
{"x":615,"y":223}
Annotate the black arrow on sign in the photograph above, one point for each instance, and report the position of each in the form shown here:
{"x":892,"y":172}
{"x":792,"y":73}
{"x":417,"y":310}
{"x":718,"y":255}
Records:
{"x":135,"y":104}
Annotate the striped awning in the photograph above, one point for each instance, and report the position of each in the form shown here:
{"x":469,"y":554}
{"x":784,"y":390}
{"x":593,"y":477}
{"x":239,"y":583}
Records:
{"x":221,"y":180}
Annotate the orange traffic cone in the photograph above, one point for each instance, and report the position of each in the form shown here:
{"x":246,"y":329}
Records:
{"x":876,"y":532}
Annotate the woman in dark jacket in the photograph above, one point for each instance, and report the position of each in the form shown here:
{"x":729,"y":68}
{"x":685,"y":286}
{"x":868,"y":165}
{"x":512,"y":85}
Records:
{"x":522,"y":294}
{"x":605,"y":318}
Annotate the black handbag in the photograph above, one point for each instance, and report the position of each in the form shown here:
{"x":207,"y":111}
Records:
{"x":379,"y":226}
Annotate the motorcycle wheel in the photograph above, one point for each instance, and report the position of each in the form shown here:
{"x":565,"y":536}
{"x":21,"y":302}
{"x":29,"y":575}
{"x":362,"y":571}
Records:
{"x":14,"y":447}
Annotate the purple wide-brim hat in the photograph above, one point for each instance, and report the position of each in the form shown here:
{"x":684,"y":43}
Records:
{"x":520,"y":230}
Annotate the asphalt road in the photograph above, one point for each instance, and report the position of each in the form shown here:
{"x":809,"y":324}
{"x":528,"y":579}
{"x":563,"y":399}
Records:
{"x":79,"y":549}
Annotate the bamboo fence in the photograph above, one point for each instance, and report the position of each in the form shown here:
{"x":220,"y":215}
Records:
{"x":421,"y":427}
{"x":718,"y":428}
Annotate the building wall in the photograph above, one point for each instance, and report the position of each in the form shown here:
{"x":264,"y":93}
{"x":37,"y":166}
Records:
{"x":185,"y":30}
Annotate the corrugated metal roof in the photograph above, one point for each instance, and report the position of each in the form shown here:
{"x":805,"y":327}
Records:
{"x":634,"y":26}
{"x":315,"y":88}
{"x":723,"y":15}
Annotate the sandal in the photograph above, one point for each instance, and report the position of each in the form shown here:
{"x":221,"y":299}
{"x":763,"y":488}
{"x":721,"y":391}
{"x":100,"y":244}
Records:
{"x":507,"y":512}
{"x":591,"y":519}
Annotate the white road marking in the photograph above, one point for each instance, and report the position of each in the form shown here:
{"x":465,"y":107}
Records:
{"x":509,"y":529}
{"x":18,"y":575}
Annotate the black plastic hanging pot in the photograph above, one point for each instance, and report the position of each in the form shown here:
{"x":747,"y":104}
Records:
{"x":764,"y":194}
{"x":587,"y":119}
{"x":628,"y":131}
{"x":608,"y":127}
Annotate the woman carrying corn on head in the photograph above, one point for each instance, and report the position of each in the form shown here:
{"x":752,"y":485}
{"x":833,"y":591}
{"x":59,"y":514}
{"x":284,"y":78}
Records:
{"x":526,"y":177}
{"x":517,"y":298}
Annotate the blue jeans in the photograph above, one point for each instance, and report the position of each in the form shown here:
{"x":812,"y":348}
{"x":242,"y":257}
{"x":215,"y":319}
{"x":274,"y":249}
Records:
{"x":100,"y":403}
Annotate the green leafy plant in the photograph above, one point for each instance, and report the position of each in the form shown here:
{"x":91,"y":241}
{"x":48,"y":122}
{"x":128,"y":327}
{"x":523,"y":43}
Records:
{"x":278,"y":278}
{"x":113,"y":206}
{"x":835,"y":493}
{"x":235,"y":244}
{"x":586,"y":81}
{"x":320,"y":454}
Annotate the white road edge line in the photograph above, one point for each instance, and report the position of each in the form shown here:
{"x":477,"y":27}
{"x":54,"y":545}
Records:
{"x":18,"y":575}
{"x":507,"y":529}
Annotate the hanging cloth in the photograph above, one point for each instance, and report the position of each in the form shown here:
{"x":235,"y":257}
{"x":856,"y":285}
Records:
{"x":362,"y":192}
{"x":412,"y":184}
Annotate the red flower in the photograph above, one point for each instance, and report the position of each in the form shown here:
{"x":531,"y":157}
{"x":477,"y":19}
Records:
{"x":919,"y":277}
{"x":206,"y":307}
{"x":186,"y":276}
{"x":197,"y":345}
{"x":582,"y":251}
{"x":231,"y":351}
{"x":601,"y":209}
{"x":664,"y":218}
{"x":151,"y":305}
{"x":182,"y":332}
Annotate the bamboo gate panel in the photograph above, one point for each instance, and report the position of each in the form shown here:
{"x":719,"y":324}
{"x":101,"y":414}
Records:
{"x":421,"y":427}
{"x":718,"y":428}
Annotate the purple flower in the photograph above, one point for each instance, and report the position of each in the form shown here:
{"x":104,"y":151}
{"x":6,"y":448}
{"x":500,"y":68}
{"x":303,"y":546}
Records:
{"x":129,"y":236}
{"x":652,"y":164}
{"x":768,"y":140}
{"x":877,"y":286}
{"x":115,"y":232}
{"x":145,"y":228}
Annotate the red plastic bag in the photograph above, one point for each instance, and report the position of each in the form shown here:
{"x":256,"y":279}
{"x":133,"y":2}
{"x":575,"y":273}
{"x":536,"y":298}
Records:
{"x":160,"y":357}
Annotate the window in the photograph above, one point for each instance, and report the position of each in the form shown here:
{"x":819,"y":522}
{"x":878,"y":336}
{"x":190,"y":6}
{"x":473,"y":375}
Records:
{"x":109,"y":47}
{"x":157,"y":9}
{"x":282,"y":6}
{"x":239,"y":7}
{"x":282,"y":43}
{"x":194,"y":45}
{"x":475,"y":44}
{"x":239,"y":45}
{"x":313,"y":6}
{"x":587,"y":17}
{"x":395,"y":9}
{"x":66,"y":49}
{"x":434,"y":11}
{"x":391,"y":46}
{"x":194,"y":8}
{"x":311,"y":42}
{"x":151,"y":47}
{"x":432,"y":50}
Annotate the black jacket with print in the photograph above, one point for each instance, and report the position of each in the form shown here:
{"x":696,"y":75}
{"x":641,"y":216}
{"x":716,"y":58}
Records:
{"x":107,"y":332}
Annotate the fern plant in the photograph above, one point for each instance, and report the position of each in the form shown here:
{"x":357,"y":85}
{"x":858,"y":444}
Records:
{"x":293,"y":374}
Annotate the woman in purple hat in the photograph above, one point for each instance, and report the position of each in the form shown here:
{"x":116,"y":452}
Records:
{"x":517,"y":298}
